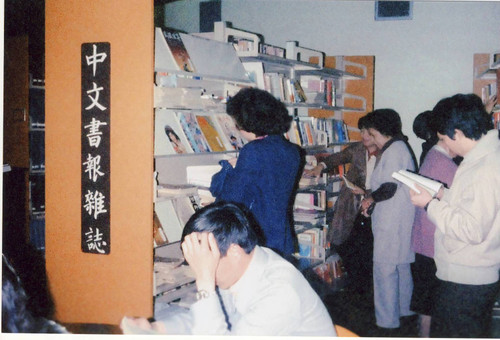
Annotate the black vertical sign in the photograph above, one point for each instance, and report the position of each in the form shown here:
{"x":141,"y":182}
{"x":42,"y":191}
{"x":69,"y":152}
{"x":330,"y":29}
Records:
{"x":95,"y":169}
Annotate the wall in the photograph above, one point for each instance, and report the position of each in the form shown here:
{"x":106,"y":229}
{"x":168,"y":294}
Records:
{"x":417,"y":62}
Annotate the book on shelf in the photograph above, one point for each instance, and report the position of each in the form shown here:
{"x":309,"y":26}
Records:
{"x":168,"y":219}
{"x":185,"y":207}
{"x":315,"y":199}
{"x":178,"y":51}
{"x":159,"y":236}
{"x":232,"y":134}
{"x":174,"y":190}
{"x":192,"y":130}
{"x":255,"y":72}
{"x":410,"y":179}
{"x":310,"y":242}
{"x":298,"y":92}
{"x":201,"y":175}
{"x":309,"y":216}
{"x":169,"y":135}
{"x":208,"y":128}
{"x":272,"y":50}
{"x":205,"y":196}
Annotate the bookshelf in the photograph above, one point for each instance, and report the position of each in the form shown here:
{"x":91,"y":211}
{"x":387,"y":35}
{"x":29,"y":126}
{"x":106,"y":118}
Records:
{"x":318,"y":90}
{"x":486,"y":81}
{"x":37,"y":162}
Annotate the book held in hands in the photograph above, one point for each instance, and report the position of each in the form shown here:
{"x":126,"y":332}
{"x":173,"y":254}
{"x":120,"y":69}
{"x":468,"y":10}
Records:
{"x":410,"y":179}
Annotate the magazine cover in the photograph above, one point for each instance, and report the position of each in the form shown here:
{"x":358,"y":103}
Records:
{"x":229,"y":129}
{"x":209,"y":130}
{"x":179,"y":51}
{"x":169,"y":135}
{"x":193,"y":132}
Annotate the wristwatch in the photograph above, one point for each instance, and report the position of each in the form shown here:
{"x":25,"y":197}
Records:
{"x":203,"y":294}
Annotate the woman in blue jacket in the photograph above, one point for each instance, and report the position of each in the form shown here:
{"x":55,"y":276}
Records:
{"x":265,"y":175}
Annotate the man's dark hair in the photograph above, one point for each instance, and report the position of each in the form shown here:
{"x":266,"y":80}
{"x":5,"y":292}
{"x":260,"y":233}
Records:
{"x":464,"y":112}
{"x":229,"y":223}
{"x":258,"y":111}
{"x":385,"y":121}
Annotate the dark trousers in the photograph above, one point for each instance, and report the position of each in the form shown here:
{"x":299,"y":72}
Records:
{"x":357,"y":255}
{"x":463,"y":311}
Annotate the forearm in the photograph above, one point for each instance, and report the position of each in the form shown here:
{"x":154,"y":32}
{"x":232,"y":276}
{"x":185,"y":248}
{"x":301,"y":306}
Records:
{"x":384,"y":192}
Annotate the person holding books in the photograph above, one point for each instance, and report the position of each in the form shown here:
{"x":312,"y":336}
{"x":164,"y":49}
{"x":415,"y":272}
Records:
{"x":243,"y":289}
{"x":438,"y":164}
{"x":266,"y":173}
{"x":467,"y":219}
{"x":349,"y":232}
{"x":392,"y":220}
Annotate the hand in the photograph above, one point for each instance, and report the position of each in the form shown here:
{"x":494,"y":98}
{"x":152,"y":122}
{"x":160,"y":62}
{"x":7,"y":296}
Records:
{"x":440,"y":193}
{"x":202,"y":253}
{"x":130,"y":325}
{"x":366,"y":203}
{"x":233,"y":161}
{"x":420,"y":200}
{"x":490,"y":103}
{"x":314,"y":172}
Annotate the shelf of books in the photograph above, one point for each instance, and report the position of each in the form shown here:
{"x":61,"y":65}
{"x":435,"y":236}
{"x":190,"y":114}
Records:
{"x":486,"y":82}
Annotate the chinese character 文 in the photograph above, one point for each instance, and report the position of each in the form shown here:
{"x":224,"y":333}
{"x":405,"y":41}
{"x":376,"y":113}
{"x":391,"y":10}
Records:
{"x":93,"y":166}
{"x":94,"y":135}
{"x":95,"y":58}
{"x":95,"y":100}
{"x":94,"y":240}
{"x":94,"y":203}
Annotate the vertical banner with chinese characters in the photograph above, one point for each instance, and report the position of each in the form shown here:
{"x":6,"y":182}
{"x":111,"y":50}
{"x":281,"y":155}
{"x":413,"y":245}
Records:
{"x":96,"y":147}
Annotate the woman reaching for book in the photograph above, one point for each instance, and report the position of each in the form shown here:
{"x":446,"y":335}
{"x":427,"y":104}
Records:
{"x":266,"y":173}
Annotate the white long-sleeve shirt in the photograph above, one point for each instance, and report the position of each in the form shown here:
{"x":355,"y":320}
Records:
{"x":271,"y":298}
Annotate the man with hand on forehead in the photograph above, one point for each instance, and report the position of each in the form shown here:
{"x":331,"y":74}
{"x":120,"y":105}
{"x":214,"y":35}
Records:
{"x":243,"y":288}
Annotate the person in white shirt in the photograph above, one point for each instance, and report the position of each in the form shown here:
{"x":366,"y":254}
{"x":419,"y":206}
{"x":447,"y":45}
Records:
{"x":243,"y":288}
{"x":467,"y":219}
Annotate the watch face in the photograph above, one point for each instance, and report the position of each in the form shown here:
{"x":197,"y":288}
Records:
{"x":202,"y":294}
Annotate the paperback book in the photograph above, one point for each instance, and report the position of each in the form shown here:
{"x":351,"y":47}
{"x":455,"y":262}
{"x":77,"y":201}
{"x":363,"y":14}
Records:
{"x":410,"y":179}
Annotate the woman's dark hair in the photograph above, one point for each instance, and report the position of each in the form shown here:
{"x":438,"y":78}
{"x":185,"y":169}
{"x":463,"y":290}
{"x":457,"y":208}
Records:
{"x":385,"y":121}
{"x":258,"y":111}
{"x":168,"y":129}
{"x":423,"y":127}
{"x":16,"y":316}
{"x":230,"y":223}
{"x":363,"y":122}
{"x":464,"y":112}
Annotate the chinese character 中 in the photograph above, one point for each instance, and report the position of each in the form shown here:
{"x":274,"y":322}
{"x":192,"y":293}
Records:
{"x":93,"y":166}
{"x":95,"y":58}
{"x":94,"y":133}
{"x":95,"y":99}
{"x":94,"y":203}
{"x":94,"y":241}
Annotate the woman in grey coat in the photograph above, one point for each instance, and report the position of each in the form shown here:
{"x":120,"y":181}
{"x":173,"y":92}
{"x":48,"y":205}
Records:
{"x":392,"y":221}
